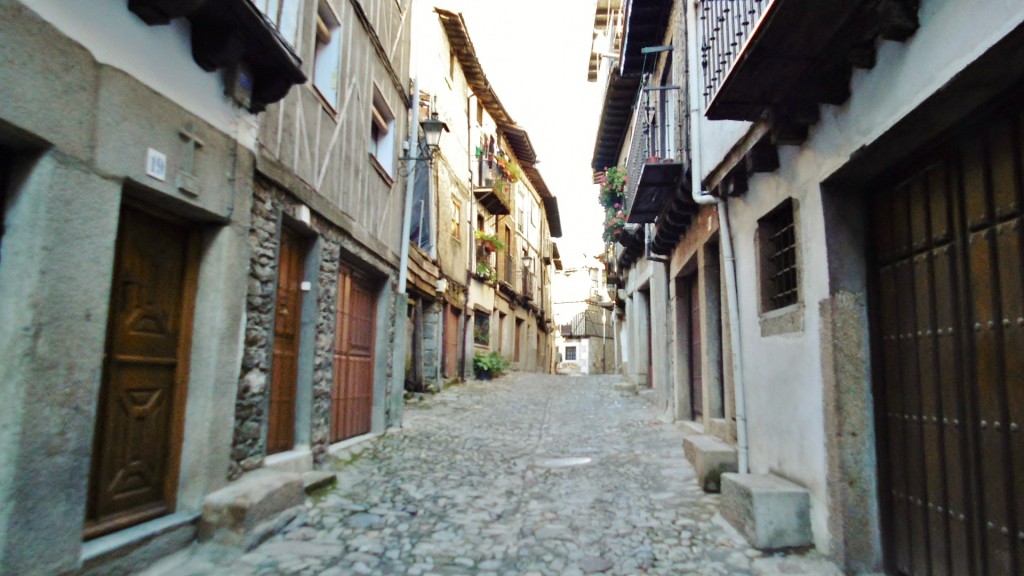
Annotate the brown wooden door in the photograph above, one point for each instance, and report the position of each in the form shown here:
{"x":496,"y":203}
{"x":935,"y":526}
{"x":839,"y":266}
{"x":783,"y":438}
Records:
{"x":145,"y":371}
{"x":355,"y":330}
{"x":287,"y":322}
{"x":948,"y":338}
{"x":696,"y":367}
{"x":451,"y":342}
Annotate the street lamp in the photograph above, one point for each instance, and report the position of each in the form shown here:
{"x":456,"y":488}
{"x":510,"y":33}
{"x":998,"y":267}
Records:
{"x":528,"y":261}
{"x":432,"y":128}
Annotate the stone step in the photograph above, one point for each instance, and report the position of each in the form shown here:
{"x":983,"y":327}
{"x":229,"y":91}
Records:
{"x":316,"y":479}
{"x":252,"y":508}
{"x":769,"y":511}
{"x":711,"y":458}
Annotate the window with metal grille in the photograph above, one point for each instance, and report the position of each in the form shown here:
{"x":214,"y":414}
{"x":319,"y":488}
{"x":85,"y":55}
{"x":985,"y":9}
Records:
{"x":481,"y":328}
{"x":570,"y":353}
{"x":780,"y":278}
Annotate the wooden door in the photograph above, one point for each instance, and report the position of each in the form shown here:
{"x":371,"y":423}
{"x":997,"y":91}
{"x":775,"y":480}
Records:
{"x":948,"y":336}
{"x":355,"y":331}
{"x":145,"y":371}
{"x":696,"y":356}
{"x":451,"y":342}
{"x":287,"y":323}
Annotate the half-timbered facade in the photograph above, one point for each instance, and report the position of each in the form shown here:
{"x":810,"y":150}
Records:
{"x":322,"y":315}
{"x":493,"y":299}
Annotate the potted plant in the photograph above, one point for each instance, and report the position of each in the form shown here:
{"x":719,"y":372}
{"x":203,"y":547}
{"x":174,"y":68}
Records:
{"x":489,"y":365}
{"x":485,"y":272}
{"x":489,"y":242}
{"x":613,"y":188}
{"x":614,"y":222}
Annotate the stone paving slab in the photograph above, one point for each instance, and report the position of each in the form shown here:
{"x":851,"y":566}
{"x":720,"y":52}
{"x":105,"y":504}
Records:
{"x":528,"y":474}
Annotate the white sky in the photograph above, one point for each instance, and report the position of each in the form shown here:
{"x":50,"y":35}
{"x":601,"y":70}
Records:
{"x":535,"y":54}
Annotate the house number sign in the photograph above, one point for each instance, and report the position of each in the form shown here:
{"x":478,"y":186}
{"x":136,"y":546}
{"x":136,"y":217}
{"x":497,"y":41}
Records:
{"x":156,"y":165}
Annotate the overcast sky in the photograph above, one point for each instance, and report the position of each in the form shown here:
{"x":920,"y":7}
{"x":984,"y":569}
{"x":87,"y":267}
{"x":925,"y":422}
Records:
{"x":535,"y":54}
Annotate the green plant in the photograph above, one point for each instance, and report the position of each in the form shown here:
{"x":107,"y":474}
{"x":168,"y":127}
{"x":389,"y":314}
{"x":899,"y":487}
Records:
{"x":490,"y":363}
{"x":481,"y":335}
{"x":489,"y":241}
{"x":614,"y":221}
{"x":486,"y":272}
{"x":613,"y":188}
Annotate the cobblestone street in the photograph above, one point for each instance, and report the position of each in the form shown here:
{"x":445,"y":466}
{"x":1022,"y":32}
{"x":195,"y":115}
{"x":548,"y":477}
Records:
{"x":528,"y":474}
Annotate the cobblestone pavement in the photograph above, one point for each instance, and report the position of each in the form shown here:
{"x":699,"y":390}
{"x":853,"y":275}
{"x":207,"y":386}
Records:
{"x":528,"y":474}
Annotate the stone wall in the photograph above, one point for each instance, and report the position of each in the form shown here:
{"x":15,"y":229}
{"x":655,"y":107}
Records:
{"x":252,"y":401}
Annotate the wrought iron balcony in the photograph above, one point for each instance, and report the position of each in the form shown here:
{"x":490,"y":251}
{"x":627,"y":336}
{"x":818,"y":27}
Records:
{"x":781,"y":58}
{"x":528,"y":284}
{"x":655,"y":166}
{"x":490,"y":187}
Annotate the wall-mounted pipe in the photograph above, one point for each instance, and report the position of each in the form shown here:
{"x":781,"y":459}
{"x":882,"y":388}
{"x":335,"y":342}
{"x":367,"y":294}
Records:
{"x":726,"y":241}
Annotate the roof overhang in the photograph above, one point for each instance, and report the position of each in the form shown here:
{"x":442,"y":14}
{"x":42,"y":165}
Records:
{"x":646,"y":22}
{"x":616,"y":114}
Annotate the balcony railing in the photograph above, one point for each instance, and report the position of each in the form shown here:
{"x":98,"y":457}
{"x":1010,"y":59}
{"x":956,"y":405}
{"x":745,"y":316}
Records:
{"x":781,"y":58}
{"x":490,"y":187}
{"x":655,"y":165}
{"x":725,"y":27}
{"x":528,"y":284}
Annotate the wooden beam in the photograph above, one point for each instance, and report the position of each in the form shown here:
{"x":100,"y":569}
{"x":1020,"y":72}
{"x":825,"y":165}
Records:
{"x":763,"y":157}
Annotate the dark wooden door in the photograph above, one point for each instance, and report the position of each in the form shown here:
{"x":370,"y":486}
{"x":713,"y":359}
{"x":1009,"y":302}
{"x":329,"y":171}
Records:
{"x":287,"y":322}
{"x":145,"y":371}
{"x":948,"y":338}
{"x":355,"y":330}
{"x":696,"y":367}
{"x":451,"y":342}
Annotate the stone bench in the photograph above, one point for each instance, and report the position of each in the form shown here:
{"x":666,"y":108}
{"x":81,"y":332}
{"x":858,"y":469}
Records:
{"x":769,"y":511}
{"x":252,"y":508}
{"x":710,"y":458}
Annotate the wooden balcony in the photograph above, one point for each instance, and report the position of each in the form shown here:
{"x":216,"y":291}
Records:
{"x":655,"y":166}
{"x":234,"y":36}
{"x":491,"y":189}
{"x":779,"y":59}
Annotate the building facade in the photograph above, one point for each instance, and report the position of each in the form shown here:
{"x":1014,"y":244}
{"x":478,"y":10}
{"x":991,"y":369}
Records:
{"x":852,"y":234}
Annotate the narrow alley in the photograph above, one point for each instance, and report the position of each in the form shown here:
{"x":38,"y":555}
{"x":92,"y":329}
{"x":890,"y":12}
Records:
{"x":528,"y":474}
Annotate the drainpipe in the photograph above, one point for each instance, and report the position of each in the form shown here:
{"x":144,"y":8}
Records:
{"x":727,"y":253}
{"x":410,"y":183}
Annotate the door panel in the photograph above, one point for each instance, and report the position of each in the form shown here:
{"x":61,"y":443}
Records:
{"x":137,"y":439}
{"x":948,"y":316}
{"x":355,"y":331}
{"x":287,"y":322}
{"x":451,"y":342}
{"x":696,"y":356}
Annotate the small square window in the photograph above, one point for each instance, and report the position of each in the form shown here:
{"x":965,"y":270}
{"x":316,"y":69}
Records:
{"x":481,"y":328}
{"x":456,"y":218}
{"x":570,"y":353}
{"x":382,"y":133}
{"x":777,"y":248}
{"x":327,"y":55}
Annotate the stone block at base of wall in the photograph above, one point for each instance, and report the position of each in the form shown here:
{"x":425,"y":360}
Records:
{"x":710,"y":458}
{"x":252,"y":508}
{"x":769,"y":511}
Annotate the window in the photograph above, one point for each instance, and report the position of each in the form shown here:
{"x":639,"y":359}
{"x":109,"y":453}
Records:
{"x":520,"y":212}
{"x":570,"y":353}
{"x":382,"y":134}
{"x":283,"y":15}
{"x":327,"y":54}
{"x":481,"y":328}
{"x":456,"y":218}
{"x":777,"y":247}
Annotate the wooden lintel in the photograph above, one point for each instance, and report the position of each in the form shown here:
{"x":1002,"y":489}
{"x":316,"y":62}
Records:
{"x":763,"y":157}
{"x":862,"y":56}
{"x":736,"y":183}
{"x":897,"y":18}
{"x":833,"y":86}
{"x":788,"y":133}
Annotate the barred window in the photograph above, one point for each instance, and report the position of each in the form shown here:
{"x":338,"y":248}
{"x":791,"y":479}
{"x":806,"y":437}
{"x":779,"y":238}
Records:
{"x":780,"y":277}
{"x":570,"y":353}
